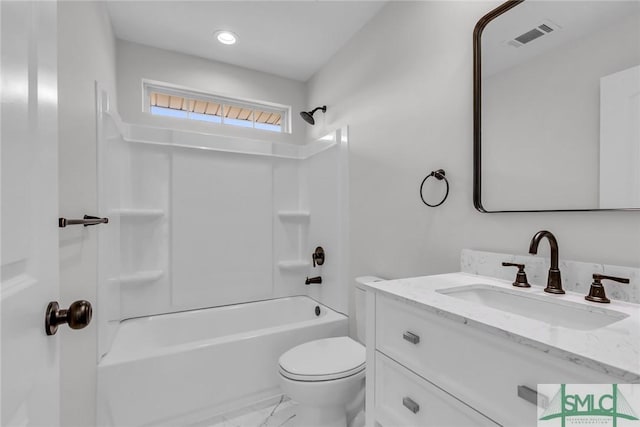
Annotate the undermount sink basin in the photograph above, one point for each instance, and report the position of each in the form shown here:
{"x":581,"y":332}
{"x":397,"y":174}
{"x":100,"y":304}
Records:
{"x":548,"y":309}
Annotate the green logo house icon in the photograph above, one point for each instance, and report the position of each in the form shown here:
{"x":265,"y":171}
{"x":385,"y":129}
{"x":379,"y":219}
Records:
{"x":588,"y":405}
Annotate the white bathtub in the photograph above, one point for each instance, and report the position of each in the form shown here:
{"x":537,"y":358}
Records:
{"x":181,"y":368}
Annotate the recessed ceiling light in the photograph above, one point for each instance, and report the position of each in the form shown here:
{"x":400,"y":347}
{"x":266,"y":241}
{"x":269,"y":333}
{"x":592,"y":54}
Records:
{"x":226,"y":37}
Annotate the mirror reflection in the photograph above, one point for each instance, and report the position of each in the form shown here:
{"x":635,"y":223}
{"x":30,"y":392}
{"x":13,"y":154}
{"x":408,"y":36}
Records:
{"x":560,"y":107}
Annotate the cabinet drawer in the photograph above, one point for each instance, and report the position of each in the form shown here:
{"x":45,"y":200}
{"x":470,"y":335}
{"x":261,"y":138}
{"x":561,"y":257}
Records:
{"x":404,"y":332}
{"x":479,"y":368}
{"x":405,"y":399}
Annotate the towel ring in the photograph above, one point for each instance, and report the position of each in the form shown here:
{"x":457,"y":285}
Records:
{"x":439,"y":175}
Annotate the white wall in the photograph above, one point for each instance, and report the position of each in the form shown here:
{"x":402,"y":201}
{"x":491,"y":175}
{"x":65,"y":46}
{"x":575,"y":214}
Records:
{"x":137,"y":62}
{"x":403,"y":84}
{"x":86,"y":52}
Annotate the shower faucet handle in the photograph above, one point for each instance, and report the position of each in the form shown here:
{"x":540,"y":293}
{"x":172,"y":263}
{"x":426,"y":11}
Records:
{"x":521,"y":277}
{"x":318,"y":256}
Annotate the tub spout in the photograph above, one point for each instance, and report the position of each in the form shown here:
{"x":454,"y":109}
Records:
{"x":313,"y":280}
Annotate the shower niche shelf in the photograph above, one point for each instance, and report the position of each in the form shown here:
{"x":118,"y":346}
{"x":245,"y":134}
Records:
{"x":294,"y":216}
{"x":139,"y":277}
{"x":293,"y":265}
{"x":140,"y":213}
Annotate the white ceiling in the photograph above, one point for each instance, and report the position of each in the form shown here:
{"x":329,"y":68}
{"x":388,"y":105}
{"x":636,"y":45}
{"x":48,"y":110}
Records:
{"x":291,"y":39}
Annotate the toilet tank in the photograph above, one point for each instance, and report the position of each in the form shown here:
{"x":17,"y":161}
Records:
{"x":361,"y":306}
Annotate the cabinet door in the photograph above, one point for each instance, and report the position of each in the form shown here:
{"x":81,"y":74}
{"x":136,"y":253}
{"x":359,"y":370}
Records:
{"x":403,"y":398}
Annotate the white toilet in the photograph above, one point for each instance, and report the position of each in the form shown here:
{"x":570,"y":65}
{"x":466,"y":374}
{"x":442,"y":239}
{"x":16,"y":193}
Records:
{"x":326,"y":376}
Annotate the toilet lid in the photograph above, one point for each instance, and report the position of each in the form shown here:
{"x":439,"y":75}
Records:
{"x":323,"y":360}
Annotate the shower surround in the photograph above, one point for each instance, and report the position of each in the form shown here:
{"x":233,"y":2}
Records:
{"x":200,"y":220}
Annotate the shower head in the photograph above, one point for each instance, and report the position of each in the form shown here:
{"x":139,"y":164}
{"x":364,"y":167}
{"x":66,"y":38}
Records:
{"x":308,"y":115}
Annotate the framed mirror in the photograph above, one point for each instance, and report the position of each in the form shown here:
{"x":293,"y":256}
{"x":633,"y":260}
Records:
{"x":557,"y":106}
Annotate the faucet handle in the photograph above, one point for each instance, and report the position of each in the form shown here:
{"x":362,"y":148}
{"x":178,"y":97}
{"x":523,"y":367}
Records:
{"x":521,"y":277}
{"x":596,"y":292}
{"x":318,"y":256}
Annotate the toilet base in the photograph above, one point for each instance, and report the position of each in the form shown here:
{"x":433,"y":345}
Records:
{"x":358,"y":420}
{"x":319,"y":416}
{"x":326,"y":403}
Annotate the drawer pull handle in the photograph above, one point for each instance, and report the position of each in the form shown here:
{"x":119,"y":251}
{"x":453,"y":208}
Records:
{"x":532,"y":396}
{"x":411,"y":337}
{"x":410,"y":404}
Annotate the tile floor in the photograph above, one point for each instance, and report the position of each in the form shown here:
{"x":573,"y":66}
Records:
{"x":273,"y":413}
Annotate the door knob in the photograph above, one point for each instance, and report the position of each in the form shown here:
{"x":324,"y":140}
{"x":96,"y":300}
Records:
{"x":77,"y":316}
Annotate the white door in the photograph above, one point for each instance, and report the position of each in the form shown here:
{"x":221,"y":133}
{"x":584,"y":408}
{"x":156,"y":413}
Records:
{"x":29,"y":208}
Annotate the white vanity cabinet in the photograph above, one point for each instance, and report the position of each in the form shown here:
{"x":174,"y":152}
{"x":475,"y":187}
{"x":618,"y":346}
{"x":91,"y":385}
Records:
{"x":406,"y":399}
{"x":427,"y":368}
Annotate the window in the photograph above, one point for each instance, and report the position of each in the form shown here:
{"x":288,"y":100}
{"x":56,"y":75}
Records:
{"x":190,"y":105}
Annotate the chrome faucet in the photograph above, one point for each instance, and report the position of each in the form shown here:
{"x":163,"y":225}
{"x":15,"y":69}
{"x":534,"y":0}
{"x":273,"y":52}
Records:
{"x":554,"y":281}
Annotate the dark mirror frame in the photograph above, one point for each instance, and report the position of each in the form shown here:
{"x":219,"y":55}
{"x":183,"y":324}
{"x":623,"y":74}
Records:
{"x":477,"y":115}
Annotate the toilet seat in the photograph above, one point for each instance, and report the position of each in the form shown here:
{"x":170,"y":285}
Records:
{"x":323,"y":360}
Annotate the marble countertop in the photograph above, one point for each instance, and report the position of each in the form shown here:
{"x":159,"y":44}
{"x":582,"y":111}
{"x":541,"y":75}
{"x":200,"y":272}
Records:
{"x":613,"y":349}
